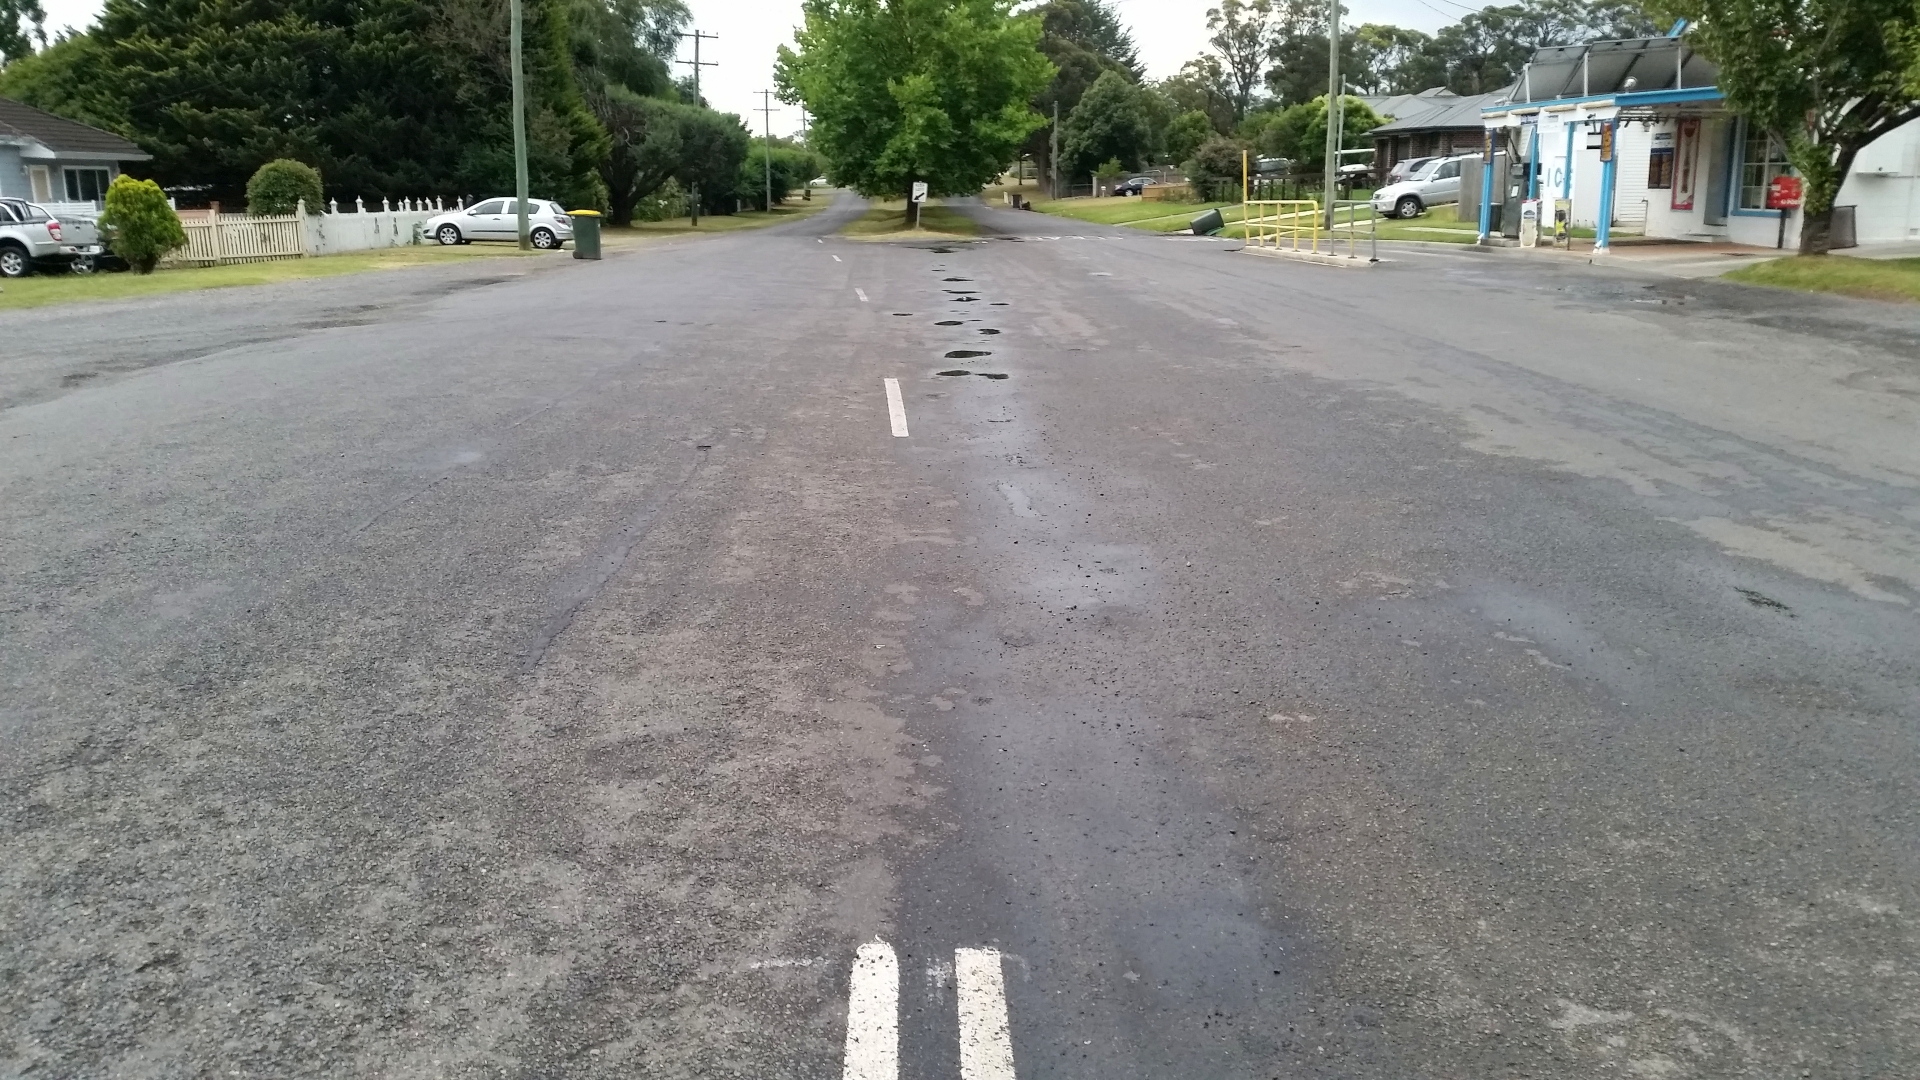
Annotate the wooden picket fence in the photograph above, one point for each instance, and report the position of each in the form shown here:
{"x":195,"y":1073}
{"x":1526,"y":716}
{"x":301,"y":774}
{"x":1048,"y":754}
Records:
{"x":237,"y":238}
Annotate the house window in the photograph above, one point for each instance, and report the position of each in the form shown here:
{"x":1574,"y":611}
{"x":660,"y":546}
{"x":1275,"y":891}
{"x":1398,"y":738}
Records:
{"x":1660,"y":168}
{"x":1761,"y":159}
{"x":86,"y":185}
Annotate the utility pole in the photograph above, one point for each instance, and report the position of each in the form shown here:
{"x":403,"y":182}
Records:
{"x":766,"y":160}
{"x":519,"y":128}
{"x":1333,"y":108}
{"x":1053,"y":153}
{"x":693,"y":191}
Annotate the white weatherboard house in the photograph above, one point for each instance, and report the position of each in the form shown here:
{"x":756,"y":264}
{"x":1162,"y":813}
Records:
{"x":47,"y":159}
{"x":1685,"y":166}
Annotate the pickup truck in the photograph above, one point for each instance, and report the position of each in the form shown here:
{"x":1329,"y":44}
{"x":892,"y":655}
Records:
{"x":31,"y":238}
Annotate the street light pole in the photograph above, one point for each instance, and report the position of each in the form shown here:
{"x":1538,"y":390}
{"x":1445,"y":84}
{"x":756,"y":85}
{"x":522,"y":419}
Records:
{"x":693,"y":190}
{"x":519,"y":128}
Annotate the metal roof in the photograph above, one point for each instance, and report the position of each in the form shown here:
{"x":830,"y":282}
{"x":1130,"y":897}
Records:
{"x":1455,"y":111}
{"x":1603,"y":68}
{"x":63,"y":136}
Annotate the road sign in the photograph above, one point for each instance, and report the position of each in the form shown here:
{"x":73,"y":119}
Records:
{"x":919,"y":191}
{"x":1784,"y":193}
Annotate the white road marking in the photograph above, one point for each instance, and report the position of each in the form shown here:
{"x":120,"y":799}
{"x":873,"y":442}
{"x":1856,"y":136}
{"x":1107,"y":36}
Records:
{"x":862,"y":294}
{"x":896,"y":409}
{"x":836,"y":258}
{"x":873,"y":1014}
{"x":986,"y":1049}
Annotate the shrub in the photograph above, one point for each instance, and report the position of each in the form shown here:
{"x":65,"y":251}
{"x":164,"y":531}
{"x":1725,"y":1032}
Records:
{"x":144,"y":228}
{"x":1215,"y":170}
{"x":278,"y":186}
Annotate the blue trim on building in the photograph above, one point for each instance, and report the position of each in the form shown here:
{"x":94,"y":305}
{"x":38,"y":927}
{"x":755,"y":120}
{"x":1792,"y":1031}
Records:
{"x":1649,"y":97}
{"x":1737,"y":157}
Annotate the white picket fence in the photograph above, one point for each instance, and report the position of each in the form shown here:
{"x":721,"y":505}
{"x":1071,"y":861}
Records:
{"x":214,"y":240}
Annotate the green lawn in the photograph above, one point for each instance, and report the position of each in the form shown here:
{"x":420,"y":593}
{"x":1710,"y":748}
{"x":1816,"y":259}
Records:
{"x":888,"y":221}
{"x":43,"y":289}
{"x":719,"y":223}
{"x":1873,"y":279}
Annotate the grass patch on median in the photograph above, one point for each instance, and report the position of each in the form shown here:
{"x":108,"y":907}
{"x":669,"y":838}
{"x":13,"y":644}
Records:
{"x":40,"y":290}
{"x":888,"y":221}
{"x":720,"y":223}
{"x":1870,"y":279}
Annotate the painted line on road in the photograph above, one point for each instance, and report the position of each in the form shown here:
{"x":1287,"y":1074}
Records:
{"x":862,"y":294}
{"x":986,"y":1049}
{"x":873,"y":1014}
{"x":836,"y":258}
{"x":896,"y":408}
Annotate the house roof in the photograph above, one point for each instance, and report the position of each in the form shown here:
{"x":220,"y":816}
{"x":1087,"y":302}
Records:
{"x":1410,"y":106}
{"x":1454,"y":112}
{"x":63,"y":136}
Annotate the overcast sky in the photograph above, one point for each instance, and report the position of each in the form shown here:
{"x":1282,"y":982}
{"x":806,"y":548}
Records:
{"x":1169,"y":32}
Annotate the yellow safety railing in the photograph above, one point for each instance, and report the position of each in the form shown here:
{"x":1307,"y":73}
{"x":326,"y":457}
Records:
{"x":1275,"y":223}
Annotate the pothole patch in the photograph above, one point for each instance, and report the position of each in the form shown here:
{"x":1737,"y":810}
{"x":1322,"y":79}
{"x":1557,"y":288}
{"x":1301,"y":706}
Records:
{"x":964,"y":354}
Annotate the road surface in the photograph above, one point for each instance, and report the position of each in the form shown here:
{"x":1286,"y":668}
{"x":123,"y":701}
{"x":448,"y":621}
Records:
{"x":1074,"y":653}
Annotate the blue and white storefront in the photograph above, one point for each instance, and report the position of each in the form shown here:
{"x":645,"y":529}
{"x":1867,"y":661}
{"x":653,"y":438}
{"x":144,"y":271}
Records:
{"x":1681,"y":165}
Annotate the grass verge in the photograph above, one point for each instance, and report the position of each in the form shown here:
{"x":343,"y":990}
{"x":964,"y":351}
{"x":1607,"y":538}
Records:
{"x":43,"y":289}
{"x":719,"y":223}
{"x":1871,"y":279}
{"x":888,"y":221}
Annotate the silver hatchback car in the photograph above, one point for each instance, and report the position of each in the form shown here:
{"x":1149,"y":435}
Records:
{"x":548,"y":225}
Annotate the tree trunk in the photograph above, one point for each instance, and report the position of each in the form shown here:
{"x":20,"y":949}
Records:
{"x":1816,"y":220}
{"x":913,"y":210}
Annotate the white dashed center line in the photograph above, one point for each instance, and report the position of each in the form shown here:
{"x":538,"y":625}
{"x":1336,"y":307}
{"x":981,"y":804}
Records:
{"x":836,"y":258}
{"x":896,"y":408}
{"x":986,"y":1050}
{"x":862,"y":294}
{"x":873,"y":1014}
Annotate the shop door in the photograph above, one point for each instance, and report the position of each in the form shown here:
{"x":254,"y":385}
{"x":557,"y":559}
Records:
{"x":1715,"y":151}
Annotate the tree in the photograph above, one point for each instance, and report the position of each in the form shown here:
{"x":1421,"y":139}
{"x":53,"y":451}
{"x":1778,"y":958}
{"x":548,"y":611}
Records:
{"x":281,"y":185}
{"x":1185,"y":134}
{"x":1217,"y":168}
{"x":1110,"y":122}
{"x":1082,"y":39}
{"x":1242,"y":39}
{"x":142,"y":225}
{"x":1394,"y":60}
{"x":646,"y":140}
{"x":22,"y":22}
{"x":712,"y":147}
{"x":1356,"y":119}
{"x":916,"y":90}
{"x":1201,"y":86}
{"x":1824,"y":77}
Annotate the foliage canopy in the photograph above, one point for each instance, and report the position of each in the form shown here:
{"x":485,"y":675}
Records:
{"x":141,"y":223}
{"x":915,"y":90}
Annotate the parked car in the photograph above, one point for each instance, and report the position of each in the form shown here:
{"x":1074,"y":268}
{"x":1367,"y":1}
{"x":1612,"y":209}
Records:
{"x":1272,"y":166}
{"x":1406,"y":167}
{"x":1436,"y":184}
{"x":548,"y":225}
{"x":1133,"y":186}
{"x":31,"y":238}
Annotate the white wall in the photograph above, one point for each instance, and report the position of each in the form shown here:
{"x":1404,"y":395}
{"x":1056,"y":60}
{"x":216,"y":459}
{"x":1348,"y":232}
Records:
{"x":330,"y":234}
{"x":1884,"y":186}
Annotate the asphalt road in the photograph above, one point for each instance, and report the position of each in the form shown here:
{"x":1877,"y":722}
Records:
{"x":1473,"y":666}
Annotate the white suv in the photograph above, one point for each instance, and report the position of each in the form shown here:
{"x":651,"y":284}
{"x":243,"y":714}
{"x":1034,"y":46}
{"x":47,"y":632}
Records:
{"x":1435,"y":184}
{"x":548,"y":225}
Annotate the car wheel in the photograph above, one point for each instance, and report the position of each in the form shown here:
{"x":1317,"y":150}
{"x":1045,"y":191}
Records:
{"x":1407,"y":207}
{"x":448,"y":235}
{"x":85,"y":264}
{"x":544,"y":239}
{"x":14,"y":262}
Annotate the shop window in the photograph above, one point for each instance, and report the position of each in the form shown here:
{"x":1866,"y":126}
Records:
{"x":1660,"y":168}
{"x":1761,"y":159}
{"x":86,"y":185}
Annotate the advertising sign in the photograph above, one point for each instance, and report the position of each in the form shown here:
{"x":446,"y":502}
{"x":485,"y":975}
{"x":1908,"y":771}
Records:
{"x":1784,"y":193}
{"x":1686,"y":149}
{"x":1606,"y":142}
{"x":1562,"y":213}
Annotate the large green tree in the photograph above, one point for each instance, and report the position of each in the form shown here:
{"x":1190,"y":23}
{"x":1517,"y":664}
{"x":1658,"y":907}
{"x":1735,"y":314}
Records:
{"x":22,"y":22}
{"x":1825,"y":77}
{"x":915,"y":90}
{"x":1110,"y":123}
{"x":1083,"y":39}
{"x":388,"y":98}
